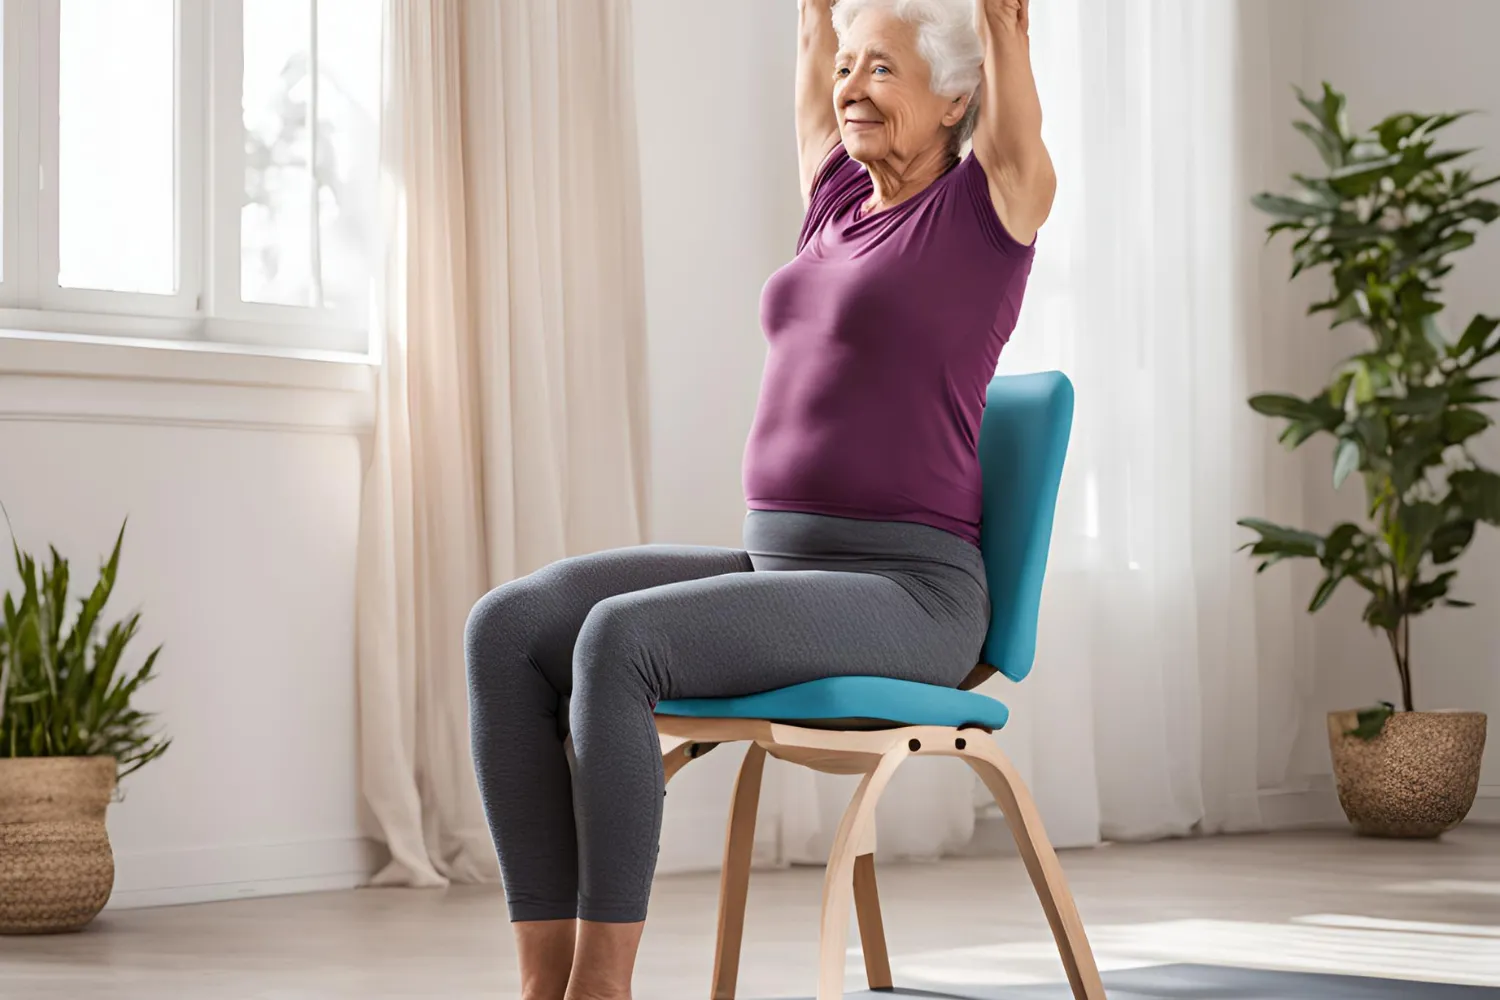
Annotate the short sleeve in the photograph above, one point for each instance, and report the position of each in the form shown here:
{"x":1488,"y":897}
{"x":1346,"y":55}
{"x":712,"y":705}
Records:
{"x":838,"y":180}
{"x":976,"y":186}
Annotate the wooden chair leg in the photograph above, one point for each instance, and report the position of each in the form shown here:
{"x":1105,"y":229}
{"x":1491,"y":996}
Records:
{"x":1014,"y":799}
{"x":681,"y":756}
{"x":871,"y":927}
{"x":838,"y":881}
{"x":734,"y":878}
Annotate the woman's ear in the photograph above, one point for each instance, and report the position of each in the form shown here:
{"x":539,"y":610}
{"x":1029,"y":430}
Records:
{"x":956,"y":111}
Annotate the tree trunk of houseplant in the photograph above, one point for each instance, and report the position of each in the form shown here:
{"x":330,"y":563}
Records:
{"x":1416,"y":778}
{"x":56,"y":868}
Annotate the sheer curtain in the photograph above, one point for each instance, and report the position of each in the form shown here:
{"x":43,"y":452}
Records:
{"x":1165,"y":692}
{"x":510,"y":428}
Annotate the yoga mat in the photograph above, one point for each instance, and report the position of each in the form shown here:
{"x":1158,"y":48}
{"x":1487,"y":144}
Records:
{"x":1209,"y":982}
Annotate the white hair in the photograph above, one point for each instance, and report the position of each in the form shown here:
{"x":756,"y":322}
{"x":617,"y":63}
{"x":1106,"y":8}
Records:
{"x":946,"y":38}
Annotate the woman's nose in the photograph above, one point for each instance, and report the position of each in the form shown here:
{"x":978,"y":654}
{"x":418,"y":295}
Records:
{"x":851,"y":90}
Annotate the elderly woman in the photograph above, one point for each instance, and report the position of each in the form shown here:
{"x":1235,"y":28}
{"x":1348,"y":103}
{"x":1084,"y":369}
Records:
{"x":861,"y":477}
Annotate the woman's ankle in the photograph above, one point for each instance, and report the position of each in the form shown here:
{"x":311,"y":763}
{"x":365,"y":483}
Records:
{"x":604,"y":960}
{"x":585,"y":992}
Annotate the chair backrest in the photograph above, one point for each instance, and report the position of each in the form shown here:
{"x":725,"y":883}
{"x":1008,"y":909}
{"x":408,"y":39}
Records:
{"x":1022,"y":444}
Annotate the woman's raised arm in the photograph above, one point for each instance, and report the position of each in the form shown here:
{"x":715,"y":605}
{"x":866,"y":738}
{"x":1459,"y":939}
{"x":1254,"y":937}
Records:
{"x":1008,"y":137}
{"x":817,"y":125}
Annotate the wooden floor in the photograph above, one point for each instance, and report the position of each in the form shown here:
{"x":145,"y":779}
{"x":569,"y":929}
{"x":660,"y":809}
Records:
{"x":1318,"y":902}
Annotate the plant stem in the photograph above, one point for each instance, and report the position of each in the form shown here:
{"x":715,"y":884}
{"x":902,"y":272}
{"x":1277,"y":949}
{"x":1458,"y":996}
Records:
{"x":1406,"y":663}
{"x":1391,"y":637}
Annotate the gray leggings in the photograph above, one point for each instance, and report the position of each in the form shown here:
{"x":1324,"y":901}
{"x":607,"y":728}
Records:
{"x":611,"y":634}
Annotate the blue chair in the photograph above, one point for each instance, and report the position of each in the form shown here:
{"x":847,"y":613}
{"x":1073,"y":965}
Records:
{"x":871,"y":725}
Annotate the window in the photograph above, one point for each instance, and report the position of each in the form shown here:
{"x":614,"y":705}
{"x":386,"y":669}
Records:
{"x":191,"y":169}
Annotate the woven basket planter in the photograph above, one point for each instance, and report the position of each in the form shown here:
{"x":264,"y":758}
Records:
{"x":1416,"y":779}
{"x":56,"y":867}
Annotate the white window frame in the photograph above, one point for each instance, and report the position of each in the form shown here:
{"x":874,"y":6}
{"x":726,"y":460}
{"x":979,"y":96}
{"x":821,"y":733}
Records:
{"x":209,"y":163}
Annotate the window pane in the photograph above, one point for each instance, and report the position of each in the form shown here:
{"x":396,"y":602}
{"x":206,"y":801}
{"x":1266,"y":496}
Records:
{"x":349,"y":147}
{"x":275,"y":221}
{"x":116,"y":173}
{"x":304,"y":227}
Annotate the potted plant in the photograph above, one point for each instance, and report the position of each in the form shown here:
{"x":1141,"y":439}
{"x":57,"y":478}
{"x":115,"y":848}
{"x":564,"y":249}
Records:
{"x":1385,"y":215}
{"x":68,"y":733}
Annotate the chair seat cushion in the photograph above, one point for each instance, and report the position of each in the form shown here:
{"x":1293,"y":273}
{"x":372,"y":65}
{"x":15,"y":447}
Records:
{"x":857,"y":700}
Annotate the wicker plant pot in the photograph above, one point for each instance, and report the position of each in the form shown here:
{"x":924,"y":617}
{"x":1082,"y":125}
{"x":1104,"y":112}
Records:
{"x":1418,"y":778}
{"x":56,"y":868}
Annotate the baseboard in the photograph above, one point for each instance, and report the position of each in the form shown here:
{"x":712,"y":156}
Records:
{"x":1315,"y":803}
{"x":1310,"y":806}
{"x":201,"y":875}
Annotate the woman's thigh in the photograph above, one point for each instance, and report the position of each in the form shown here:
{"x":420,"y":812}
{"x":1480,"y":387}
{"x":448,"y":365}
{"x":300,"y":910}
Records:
{"x":537,"y":617}
{"x":741,"y":634}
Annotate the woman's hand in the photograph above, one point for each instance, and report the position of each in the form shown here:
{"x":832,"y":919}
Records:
{"x":1007,"y":15}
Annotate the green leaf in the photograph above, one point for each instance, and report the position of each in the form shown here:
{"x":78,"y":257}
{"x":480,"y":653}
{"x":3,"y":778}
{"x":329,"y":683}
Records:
{"x":1432,"y":331}
{"x":1355,"y":305}
{"x":1476,"y":336}
{"x":1416,"y":522}
{"x":1480,"y":210}
{"x":1461,"y":423}
{"x":1359,"y":178}
{"x":1420,"y":401}
{"x":1446,"y":156}
{"x":1289,"y":209}
{"x":1278,"y":533}
{"x":1450,"y":540}
{"x":1381,"y":613}
{"x":1463,"y":389}
{"x":1324,"y":592}
{"x":1423,"y":594}
{"x":1371,"y":721}
{"x":1328,"y":112}
{"x":1362,"y":386}
{"x":1328,"y":146}
{"x":1478,"y":492}
{"x":1345,"y":460}
{"x":1299,"y":431}
{"x":1452,"y":603}
{"x":1372,"y":436}
{"x":1461,"y":240}
{"x":1468,"y":186}
{"x":1277,"y":405}
{"x":1394,"y":130}
{"x":1277,"y":543}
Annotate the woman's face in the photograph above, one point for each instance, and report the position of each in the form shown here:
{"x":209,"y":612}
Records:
{"x":885,"y":106}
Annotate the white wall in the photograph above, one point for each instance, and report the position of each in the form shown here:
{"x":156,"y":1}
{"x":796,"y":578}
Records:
{"x":241,"y":480}
{"x":1388,"y":56}
{"x":720,"y":210}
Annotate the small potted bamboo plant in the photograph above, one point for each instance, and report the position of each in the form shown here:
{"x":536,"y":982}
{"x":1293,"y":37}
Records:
{"x":1384,"y":216}
{"x":68,"y":733}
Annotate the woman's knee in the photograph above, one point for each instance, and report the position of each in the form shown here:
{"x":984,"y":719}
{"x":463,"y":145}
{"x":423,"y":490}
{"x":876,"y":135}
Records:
{"x":502,"y":624}
{"x":619,"y":646}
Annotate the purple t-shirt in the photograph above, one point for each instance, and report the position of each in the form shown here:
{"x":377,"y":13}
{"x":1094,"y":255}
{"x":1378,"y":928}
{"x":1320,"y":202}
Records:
{"x":884,"y":333}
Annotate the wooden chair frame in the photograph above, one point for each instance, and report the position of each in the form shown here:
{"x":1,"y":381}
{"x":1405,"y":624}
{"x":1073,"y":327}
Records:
{"x":850,"y":876}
